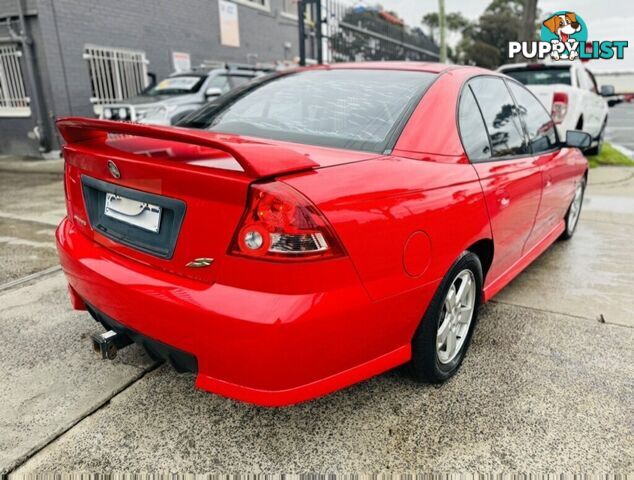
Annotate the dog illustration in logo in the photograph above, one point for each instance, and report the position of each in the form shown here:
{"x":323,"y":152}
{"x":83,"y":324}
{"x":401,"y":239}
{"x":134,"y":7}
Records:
{"x":563,"y":25}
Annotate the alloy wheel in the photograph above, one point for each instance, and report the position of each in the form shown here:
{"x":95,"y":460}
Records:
{"x":456,"y":316}
{"x":575,"y":208}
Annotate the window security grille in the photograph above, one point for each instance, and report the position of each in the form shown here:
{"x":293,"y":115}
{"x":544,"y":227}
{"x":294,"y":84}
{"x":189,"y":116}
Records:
{"x":115,"y":73}
{"x":13,"y":99}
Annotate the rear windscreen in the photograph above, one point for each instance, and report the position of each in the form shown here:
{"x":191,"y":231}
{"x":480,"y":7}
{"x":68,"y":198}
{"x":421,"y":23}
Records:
{"x":542,"y":76}
{"x":354,"y":109}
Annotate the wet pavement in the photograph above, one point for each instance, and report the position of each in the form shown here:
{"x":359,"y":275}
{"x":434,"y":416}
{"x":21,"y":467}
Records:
{"x":537,"y":392}
{"x":546,"y":386}
{"x":31,"y":205}
{"x":591,"y":276}
{"x":621,"y":125}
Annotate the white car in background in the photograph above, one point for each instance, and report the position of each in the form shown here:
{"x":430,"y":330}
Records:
{"x":180,"y":94}
{"x":569,"y":91}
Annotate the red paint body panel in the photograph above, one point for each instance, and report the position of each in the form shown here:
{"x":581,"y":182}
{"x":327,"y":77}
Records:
{"x":276,"y":333}
{"x":376,"y":205}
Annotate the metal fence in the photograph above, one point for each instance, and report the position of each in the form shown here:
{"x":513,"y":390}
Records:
{"x":115,"y":73}
{"x":14,"y":101}
{"x":352,"y":34}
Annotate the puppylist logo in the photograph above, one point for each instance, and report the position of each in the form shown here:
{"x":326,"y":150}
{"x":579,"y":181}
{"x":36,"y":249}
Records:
{"x":564,"y":36}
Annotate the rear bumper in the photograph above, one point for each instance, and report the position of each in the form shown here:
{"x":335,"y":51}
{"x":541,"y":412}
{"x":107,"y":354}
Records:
{"x":260,"y":347}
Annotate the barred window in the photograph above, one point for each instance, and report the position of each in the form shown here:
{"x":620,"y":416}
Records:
{"x":263,"y":4}
{"x":115,"y":73}
{"x":289,"y":7}
{"x":13,"y":99}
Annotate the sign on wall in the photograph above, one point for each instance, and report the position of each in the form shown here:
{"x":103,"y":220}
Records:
{"x":229,"y":27}
{"x":181,"y":61}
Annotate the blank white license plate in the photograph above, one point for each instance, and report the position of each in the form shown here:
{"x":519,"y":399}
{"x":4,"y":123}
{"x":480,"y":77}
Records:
{"x":140,"y":214}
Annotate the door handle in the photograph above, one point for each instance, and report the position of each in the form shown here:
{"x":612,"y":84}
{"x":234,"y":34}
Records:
{"x":504,"y":201}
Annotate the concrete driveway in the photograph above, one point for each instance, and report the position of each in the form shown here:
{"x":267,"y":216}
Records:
{"x":547,"y":385}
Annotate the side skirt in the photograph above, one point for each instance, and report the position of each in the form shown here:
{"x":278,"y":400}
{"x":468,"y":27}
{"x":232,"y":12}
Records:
{"x":499,"y":283}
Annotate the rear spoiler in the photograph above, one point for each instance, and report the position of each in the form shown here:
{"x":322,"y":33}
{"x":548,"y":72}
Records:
{"x":257,"y":158}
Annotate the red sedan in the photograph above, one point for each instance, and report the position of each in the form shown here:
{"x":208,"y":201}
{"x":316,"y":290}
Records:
{"x":316,"y":227}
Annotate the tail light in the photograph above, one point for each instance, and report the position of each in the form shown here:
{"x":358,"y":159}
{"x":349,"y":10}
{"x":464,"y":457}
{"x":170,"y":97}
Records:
{"x":560,"y":106}
{"x":282,"y":224}
{"x":67,"y":180}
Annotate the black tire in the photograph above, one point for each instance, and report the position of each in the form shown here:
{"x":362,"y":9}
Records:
{"x":425,"y":364}
{"x":571,"y":227}
{"x":597,"y":148}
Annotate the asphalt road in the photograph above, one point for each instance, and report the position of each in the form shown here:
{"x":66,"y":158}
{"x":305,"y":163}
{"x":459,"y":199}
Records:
{"x":547,"y":385}
{"x":621,"y":125}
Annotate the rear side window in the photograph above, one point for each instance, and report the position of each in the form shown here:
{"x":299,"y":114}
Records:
{"x":472,"y":130}
{"x":500,"y":116}
{"x":540,"y":127}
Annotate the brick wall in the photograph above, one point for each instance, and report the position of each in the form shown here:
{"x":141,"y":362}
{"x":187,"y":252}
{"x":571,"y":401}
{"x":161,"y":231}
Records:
{"x":157,"y":27}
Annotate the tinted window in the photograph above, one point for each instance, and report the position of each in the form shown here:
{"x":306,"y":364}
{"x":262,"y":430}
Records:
{"x":354,"y":109}
{"x":472,"y":130}
{"x":541,"y":76}
{"x":500,"y":115}
{"x":539,"y":125}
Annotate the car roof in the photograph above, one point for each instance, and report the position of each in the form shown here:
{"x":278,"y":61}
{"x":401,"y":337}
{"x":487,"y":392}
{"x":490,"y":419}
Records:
{"x":433,"y":67}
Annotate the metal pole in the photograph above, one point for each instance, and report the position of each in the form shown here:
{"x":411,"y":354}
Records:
{"x":37,"y":98}
{"x":319,"y":33}
{"x":527,"y":30}
{"x":442,"y":26}
{"x":302,"y":32}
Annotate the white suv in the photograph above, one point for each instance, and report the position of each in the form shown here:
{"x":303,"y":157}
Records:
{"x":569,"y":91}
{"x":172,"y":99}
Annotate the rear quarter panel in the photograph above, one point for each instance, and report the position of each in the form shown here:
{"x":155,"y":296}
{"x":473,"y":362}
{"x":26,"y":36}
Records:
{"x":402,"y":221}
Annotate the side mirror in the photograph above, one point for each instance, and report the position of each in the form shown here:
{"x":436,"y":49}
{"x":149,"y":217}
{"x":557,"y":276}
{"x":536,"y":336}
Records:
{"x":607,"y":90}
{"x":212,"y":92}
{"x":578,"y":139}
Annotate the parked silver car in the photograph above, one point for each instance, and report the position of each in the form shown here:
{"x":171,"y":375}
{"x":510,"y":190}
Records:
{"x":172,"y":99}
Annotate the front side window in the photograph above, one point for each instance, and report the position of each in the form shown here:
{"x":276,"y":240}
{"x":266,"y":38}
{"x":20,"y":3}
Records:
{"x":353,"y":109}
{"x":239,"y":80}
{"x":221,"y":82}
{"x":539,"y":125}
{"x":500,"y":116}
{"x":472,"y":130}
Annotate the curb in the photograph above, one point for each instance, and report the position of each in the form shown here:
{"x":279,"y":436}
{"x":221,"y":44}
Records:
{"x":624,"y":150}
